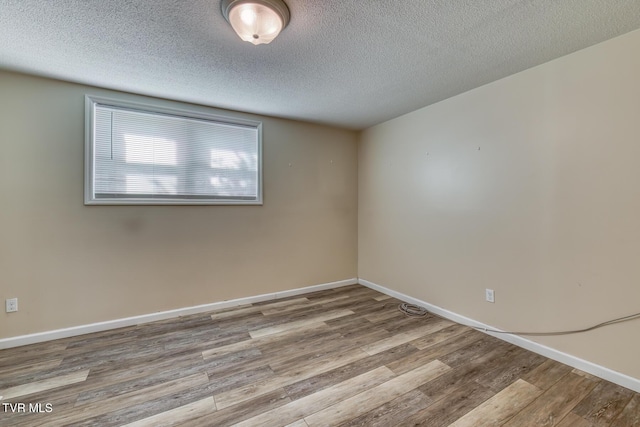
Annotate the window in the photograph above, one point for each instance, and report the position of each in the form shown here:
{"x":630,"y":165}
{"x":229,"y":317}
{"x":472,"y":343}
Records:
{"x":143,"y":154}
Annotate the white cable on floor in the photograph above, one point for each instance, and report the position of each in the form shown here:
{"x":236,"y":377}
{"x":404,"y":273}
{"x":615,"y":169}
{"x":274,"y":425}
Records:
{"x":412,"y":310}
{"x":576,"y":331}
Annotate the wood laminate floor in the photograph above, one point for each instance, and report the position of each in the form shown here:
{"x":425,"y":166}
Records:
{"x":341,"y":357}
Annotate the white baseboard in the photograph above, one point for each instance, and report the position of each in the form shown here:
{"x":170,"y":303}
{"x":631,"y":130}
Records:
{"x":152,"y":317}
{"x":551,"y":353}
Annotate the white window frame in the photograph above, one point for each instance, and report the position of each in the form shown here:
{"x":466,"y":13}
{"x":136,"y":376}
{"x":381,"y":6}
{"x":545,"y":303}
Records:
{"x":89,"y":181}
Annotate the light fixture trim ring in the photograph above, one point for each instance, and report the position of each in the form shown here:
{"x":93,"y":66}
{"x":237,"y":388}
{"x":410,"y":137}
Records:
{"x":279,"y":6}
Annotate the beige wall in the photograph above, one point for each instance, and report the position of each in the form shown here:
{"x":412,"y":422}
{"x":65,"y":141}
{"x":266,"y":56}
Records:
{"x":71,"y":264}
{"x":531,"y":186}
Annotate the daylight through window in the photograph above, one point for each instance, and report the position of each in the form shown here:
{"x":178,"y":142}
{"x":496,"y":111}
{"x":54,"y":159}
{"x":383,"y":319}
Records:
{"x":140,"y":154}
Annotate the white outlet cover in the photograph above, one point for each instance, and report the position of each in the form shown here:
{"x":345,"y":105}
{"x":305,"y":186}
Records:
{"x":11,"y":305}
{"x":490,"y":295}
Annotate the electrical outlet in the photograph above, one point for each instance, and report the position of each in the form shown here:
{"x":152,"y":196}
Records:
{"x":12,"y":305}
{"x":489,"y":295}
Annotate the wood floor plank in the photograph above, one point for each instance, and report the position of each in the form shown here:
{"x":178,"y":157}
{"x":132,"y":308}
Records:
{"x":393,"y":412}
{"x":354,"y":324}
{"x":405,"y":337}
{"x":312,"y":320}
{"x":203,"y":341}
{"x":131,"y":398}
{"x":477,"y":350}
{"x":275,"y":339}
{"x":356,"y":291}
{"x":450,"y":407}
{"x":332,"y":377}
{"x":367,"y":306}
{"x":177,"y":416}
{"x":630,"y":415}
{"x":513,"y":366}
{"x":603,"y":404}
{"x":30,"y":368}
{"x":383,"y":316}
{"x":361,"y":403}
{"x":464,"y":374}
{"x":242,"y":394}
{"x":501,"y":407}
{"x":226,"y":349}
{"x":547,"y":374}
{"x":299,"y":423}
{"x":439,"y":336}
{"x":242,"y":411}
{"x":40,"y":376}
{"x":585,"y":374}
{"x":108,"y":376}
{"x":256,"y":320}
{"x":296,"y":357}
{"x":293,"y":355}
{"x":554,"y":404}
{"x":412,"y":361}
{"x":250,"y":309}
{"x":123,"y":354}
{"x":103,"y":391}
{"x":162,"y":402}
{"x":293,"y":343}
{"x":573,"y":420}
{"x":29,"y":353}
{"x":239,"y":378}
{"x":398,"y":325}
{"x":235,"y":364}
{"x":17,"y":419}
{"x":48,"y":384}
{"x":315,"y":402}
{"x":302,"y":305}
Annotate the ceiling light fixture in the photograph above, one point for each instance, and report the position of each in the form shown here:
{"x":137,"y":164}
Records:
{"x":256,"y":21}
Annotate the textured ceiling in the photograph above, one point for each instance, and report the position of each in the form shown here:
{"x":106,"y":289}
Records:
{"x":349,"y":63}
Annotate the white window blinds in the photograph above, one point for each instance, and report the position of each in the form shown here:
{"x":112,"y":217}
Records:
{"x":145,"y":156}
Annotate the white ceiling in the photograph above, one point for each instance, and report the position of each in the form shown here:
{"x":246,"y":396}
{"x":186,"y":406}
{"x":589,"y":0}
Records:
{"x":349,"y":63}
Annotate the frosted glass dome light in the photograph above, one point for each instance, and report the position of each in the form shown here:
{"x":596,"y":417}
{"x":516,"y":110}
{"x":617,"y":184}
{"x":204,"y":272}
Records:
{"x":256,"y":21}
